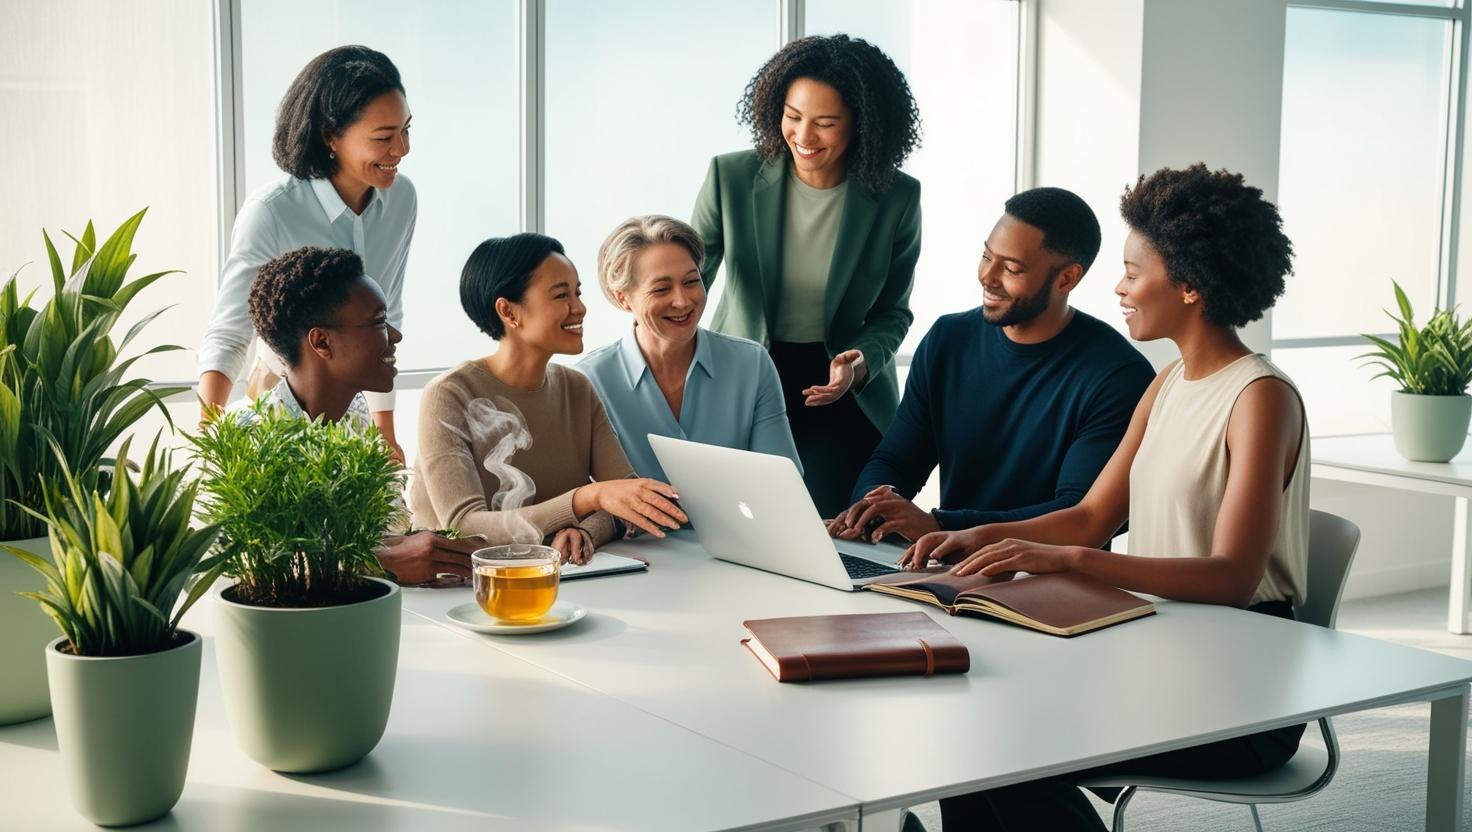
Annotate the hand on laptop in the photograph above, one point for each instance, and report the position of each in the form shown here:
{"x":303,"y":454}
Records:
{"x":880,"y":513}
{"x":644,"y":502}
{"x":946,"y":547}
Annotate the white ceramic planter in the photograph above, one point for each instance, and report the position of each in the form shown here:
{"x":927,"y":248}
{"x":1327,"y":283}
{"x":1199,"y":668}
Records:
{"x":1429,"y":428}
{"x":124,"y":726}
{"x":24,"y":631}
{"x":308,"y":689}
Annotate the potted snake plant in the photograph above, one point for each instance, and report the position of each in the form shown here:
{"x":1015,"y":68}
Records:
{"x":307,"y":636}
{"x":124,"y":677}
{"x":62,"y":381}
{"x":1430,"y":412}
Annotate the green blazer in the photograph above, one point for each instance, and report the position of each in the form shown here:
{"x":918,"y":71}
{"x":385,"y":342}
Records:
{"x":740,"y":213}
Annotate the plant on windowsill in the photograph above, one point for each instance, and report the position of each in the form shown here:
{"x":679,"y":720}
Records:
{"x":124,"y":679}
{"x":62,"y":381}
{"x":1430,"y":412}
{"x":308,"y":634}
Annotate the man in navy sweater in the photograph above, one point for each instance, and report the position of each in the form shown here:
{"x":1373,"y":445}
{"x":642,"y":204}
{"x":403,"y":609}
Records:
{"x":1020,"y":401}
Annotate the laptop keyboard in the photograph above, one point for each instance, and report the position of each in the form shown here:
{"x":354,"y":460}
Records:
{"x":861,"y":568}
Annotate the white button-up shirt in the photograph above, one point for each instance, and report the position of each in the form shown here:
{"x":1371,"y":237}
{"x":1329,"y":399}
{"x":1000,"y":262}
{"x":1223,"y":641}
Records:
{"x":291,"y":213}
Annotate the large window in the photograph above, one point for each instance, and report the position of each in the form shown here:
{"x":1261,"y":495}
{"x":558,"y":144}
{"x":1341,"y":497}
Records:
{"x":459,"y":61}
{"x":640,"y":96}
{"x":1365,"y":155}
{"x":635,"y":112}
{"x":960,"y":57}
{"x":629,"y":103}
{"x":108,"y":109}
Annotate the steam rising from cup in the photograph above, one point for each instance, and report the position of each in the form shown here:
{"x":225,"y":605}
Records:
{"x":501,"y":426}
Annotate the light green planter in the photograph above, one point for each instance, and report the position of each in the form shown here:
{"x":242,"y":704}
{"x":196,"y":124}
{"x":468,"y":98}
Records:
{"x":24,"y":631}
{"x":124,"y":726}
{"x":1429,"y":428}
{"x":308,"y":689}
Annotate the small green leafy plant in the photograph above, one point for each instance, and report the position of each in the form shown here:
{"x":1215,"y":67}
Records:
{"x":120,"y":561}
{"x":301,"y":505}
{"x":1433,"y":361}
{"x":61,"y":380}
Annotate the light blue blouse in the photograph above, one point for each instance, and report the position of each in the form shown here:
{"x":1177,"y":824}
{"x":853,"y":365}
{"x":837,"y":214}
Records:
{"x":732,"y":398}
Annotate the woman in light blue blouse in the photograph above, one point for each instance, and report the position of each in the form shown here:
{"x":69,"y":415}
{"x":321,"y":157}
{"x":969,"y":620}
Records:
{"x":669,"y":376}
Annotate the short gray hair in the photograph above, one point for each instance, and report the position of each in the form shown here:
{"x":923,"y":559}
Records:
{"x":633,"y":235}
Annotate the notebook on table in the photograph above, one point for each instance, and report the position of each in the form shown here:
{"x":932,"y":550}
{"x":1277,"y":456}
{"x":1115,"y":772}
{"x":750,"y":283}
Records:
{"x":1061,"y":603}
{"x":602,"y":563}
{"x":815,"y":647}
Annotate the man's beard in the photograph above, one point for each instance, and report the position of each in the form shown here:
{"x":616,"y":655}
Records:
{"x":1025,"y":309}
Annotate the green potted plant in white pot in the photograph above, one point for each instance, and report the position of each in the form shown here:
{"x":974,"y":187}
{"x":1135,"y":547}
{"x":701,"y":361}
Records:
{"x":61,"y":380}
{"x":1430,"y":412}
{"x":124,"y":678}
{"x":307,"y":637}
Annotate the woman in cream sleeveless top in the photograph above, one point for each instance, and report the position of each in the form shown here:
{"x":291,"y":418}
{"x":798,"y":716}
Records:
{"x":1212,"y":474}
{"x":1179,"y":476}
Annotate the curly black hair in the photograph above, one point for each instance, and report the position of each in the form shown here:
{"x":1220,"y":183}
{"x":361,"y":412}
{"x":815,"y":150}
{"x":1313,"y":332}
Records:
{"x":1217,"y":235}
{"x":501,"y":267}
{"x":326,"y":98}
{"x":298,"y":290}
{"x":886,"y":119}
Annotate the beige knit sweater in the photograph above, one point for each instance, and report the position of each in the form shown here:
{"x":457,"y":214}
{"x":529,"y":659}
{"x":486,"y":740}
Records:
{"x":463,"y":418}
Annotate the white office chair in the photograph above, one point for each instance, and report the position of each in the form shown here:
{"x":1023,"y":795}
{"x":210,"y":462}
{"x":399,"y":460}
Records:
{"x":1332,"y":542}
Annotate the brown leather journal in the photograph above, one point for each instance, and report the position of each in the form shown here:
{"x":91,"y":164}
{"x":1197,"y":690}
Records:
{"x":1061,"y":603}
{"x":815,"y":647}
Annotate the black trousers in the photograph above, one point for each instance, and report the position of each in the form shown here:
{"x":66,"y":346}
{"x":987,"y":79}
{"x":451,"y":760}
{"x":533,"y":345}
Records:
{"x":834,"y":441}
{"x":1055,"y":803}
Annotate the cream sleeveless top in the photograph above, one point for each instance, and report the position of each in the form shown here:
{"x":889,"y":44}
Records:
{"x":1179,"y":477}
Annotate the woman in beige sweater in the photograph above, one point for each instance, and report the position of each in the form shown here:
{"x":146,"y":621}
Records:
{"x":1212,"y":473}
{"x":518,"y":449}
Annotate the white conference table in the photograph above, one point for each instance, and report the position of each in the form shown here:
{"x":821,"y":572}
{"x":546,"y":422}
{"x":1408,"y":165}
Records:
{"x":477,"y":740}
{"x":650,"y":715}
{"x":668,"y":643}
{"x":1371,"y":459}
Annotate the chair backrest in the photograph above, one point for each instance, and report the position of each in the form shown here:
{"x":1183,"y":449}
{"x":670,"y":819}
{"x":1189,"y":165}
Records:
{"x":1332,"y":542}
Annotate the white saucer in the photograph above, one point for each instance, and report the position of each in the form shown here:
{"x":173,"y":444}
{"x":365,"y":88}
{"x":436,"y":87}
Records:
{"x":472,"y":617}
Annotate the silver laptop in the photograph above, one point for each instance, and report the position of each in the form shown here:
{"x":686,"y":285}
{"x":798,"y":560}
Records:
{"x":753,"y":509}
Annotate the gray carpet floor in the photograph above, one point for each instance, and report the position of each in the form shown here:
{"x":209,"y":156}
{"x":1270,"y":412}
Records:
{"x":1381,"y":785}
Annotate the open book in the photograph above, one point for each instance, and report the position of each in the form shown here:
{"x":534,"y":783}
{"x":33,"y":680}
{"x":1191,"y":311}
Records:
{"x":1061,"y":604}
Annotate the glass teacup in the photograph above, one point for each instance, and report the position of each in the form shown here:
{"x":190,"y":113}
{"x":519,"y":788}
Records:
{"x":516,"y":581}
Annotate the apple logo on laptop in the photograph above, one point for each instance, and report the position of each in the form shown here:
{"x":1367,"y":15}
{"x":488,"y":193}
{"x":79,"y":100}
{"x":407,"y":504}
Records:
{"x":745,"y":510}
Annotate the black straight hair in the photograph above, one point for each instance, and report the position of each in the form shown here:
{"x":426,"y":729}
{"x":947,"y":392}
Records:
{"x":328,"y":97}
{"x":501,"y":267}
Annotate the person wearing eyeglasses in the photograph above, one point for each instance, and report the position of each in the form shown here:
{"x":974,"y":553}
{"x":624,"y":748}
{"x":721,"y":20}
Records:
{"x":341,"y":131}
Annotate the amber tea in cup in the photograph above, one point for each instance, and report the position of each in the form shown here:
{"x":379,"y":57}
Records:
{"x":515,"y":582}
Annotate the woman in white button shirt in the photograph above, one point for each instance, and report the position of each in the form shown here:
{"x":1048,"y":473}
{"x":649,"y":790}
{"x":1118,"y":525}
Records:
{"x":341,"y":130}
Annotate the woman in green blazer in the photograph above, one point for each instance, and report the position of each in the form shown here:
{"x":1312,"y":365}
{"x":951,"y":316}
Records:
{"x":819,"y":232}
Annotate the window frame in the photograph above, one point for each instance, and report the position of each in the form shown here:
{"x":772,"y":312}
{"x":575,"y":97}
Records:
{"x":1454,"y":117}
{"x":788,"y":25}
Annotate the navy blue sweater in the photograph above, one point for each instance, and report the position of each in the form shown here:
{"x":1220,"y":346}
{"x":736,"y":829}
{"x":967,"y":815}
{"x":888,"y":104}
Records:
{"x":1018,"y":430}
